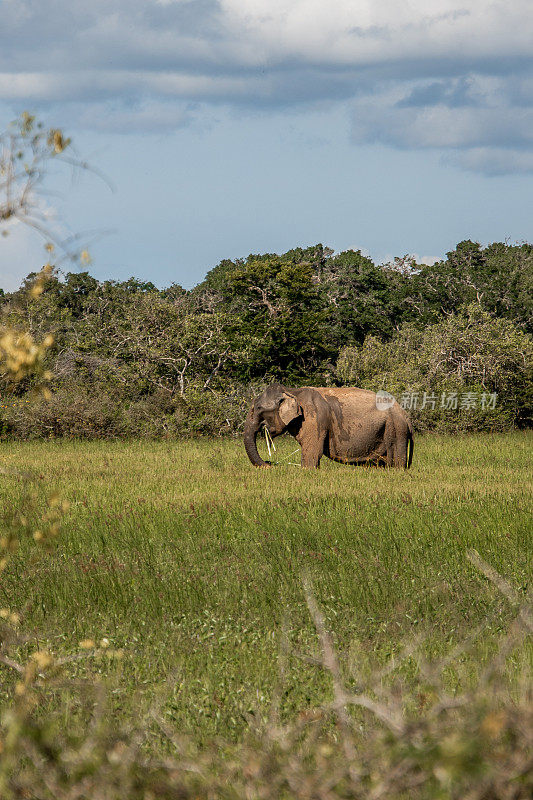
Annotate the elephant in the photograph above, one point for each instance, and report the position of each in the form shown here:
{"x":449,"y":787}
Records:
{"x":348,"y":425}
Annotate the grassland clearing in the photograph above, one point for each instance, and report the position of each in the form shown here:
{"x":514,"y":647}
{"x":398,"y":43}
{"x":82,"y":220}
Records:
{"x":191,"y":561}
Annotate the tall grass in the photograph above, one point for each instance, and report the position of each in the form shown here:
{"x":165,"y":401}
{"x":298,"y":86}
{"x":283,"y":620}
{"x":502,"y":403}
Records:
{"x":204,"y":629}
{"x":191,"y":561}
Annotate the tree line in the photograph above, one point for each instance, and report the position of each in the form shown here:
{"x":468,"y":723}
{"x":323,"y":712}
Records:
{"x":130,"y":359}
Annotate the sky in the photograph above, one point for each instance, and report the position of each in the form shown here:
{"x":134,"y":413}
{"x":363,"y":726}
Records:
{"x":229,"y":127}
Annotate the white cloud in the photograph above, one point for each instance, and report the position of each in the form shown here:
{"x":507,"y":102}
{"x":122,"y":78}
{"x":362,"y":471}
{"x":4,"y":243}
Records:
{"x":268,"y":32}
{"x":21,"y":252}
{"x":382,"y":120}
{"x":148,"y":117}
{"x":492,"y":160}
{"x":95,"y":83}
{"x":449,"y":74}
{"x":480,"y":124}
{"x":369,"y":31}
{"x":429,"y":260}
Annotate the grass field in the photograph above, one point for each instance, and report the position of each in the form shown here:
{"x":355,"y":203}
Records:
{"x":191,"y":561}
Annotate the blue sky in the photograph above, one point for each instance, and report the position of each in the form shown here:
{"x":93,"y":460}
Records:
{"x":238,"y":126}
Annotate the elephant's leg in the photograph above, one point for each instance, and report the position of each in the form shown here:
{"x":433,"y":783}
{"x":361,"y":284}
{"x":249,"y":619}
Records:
{"x":312,"y":452}
{"x":400,"y":452}
{"x":311,"y":458}
{"x":312,"y":440}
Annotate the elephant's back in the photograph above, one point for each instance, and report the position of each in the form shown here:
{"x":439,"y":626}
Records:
{"x":365,"y":399}
{"x":351,"y":405}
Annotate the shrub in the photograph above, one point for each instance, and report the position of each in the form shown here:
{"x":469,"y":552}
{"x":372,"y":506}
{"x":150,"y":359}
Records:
{"x":470,"y":352}
{"x":99,"y":410}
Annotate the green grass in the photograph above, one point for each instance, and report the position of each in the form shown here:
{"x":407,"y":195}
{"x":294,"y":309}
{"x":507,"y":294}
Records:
{"x":192,"y":561}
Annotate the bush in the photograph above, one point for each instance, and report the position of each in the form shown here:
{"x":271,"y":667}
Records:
{"x":102,"y":411}
{"x":468,"y":353}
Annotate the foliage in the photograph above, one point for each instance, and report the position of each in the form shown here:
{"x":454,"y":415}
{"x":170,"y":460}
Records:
{"x":467,"y":352}
{"x":130,"y":359}
{"x":499,"y":277}
{"x":362,"y":298}
{"x":20,"y":354}
{"x":276,"y":306}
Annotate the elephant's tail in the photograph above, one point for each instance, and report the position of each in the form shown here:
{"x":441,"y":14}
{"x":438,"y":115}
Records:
{"x":410,"y":443}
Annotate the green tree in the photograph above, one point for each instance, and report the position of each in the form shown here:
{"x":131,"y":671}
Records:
{"x":276,"y":304}
{"x":467,"y":352}
{"x":362,"y":298}
{"x":499,"y":278}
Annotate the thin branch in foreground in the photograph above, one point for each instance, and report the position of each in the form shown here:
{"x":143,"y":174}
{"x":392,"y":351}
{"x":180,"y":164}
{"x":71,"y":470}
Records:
{"x":525,"y":607}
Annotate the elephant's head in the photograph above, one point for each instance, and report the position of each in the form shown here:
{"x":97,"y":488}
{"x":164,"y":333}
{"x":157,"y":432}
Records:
{"x":275,"y":408}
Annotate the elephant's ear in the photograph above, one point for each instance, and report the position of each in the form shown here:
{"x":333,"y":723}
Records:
{"x":289,"y":408}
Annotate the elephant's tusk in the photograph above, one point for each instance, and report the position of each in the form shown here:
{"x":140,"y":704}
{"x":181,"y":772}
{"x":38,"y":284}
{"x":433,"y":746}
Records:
{"x":269,"y":442}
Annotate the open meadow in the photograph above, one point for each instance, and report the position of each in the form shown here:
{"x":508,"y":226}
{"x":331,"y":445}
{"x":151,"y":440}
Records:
{"x":190,"y":561}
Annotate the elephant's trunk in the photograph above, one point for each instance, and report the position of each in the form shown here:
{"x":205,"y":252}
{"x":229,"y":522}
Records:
{"x":251,"y":429}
